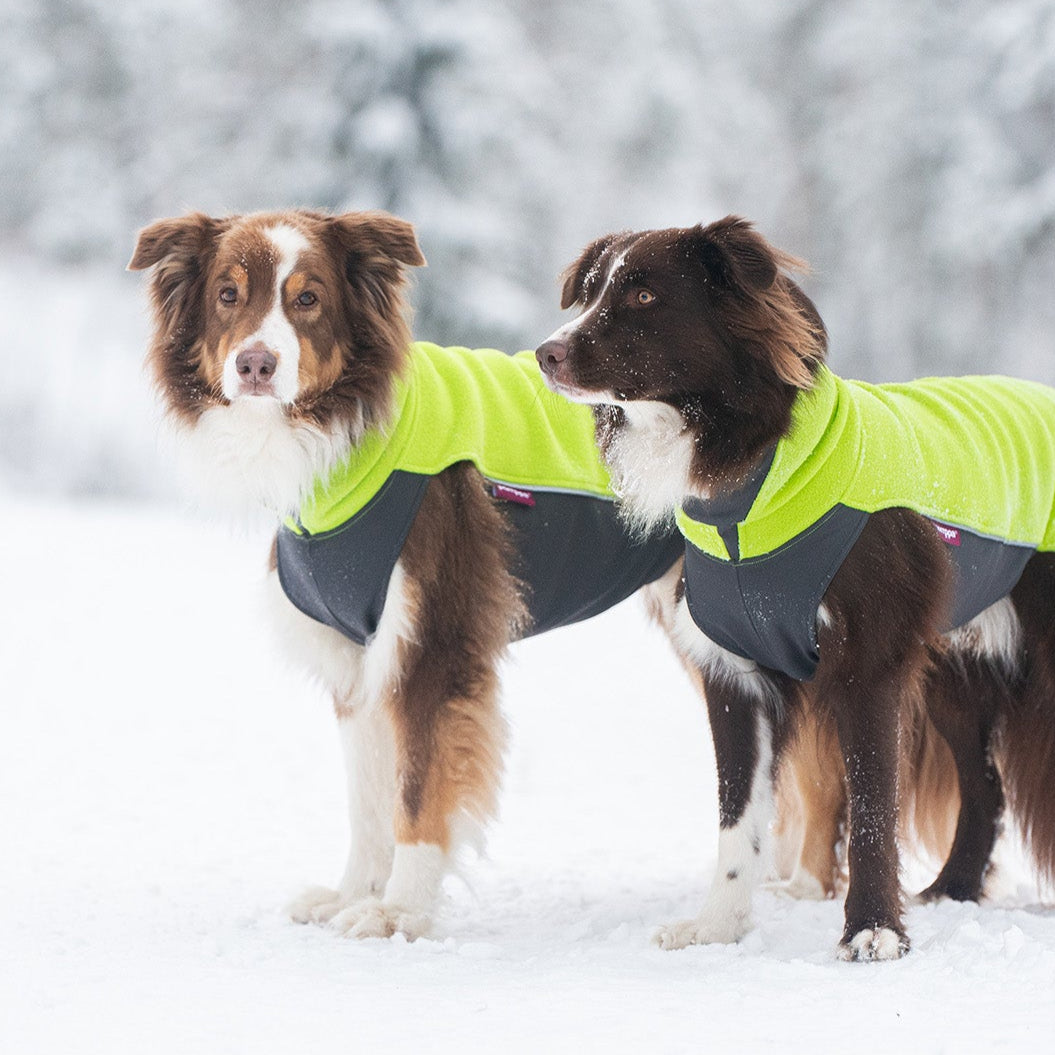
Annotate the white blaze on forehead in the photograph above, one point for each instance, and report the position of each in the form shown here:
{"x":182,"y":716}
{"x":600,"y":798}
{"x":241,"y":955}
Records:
{"x":275,"y":332}
{"x":614,"y":266}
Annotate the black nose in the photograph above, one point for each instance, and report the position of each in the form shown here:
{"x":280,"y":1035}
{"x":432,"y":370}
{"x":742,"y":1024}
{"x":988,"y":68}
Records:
{"x":551,"y":354}
{"x":255,"y":364}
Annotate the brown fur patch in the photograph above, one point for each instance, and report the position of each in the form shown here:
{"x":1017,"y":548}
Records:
{"x":1026,"y":739}
{"x":709,"y":321}
{"x":352,"y":338}
{"x":449,"y":734}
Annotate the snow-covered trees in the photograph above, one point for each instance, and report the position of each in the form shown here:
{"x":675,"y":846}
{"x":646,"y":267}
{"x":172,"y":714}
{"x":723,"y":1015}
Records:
{"x":906,"y":148}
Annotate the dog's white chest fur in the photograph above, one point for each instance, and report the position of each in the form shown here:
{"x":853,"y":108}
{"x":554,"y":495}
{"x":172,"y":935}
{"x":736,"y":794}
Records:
{"x":249,"y":455}
{"x":650,"y":457}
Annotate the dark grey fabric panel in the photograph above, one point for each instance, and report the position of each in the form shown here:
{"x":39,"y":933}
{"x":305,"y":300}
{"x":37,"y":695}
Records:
{"x":574,"y":555}
{"x":985,"y":571}
{"x":729,"y":508}
{"x":577,"y":557}
{"x":341,"y":577}
{"x":765,"y":608}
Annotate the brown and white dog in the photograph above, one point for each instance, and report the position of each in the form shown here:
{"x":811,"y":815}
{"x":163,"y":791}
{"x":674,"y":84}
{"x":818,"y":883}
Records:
{"x":279,"y":338}
{"x":693,"y":346}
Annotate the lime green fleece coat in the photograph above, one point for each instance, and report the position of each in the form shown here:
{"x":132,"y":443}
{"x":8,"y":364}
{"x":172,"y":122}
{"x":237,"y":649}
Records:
{"x":484,"y":407}
{"x":972,"y":452}
{"x":572,"y":553}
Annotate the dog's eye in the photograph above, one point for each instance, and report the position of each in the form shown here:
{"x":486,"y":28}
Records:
{"x":644,"y":297}
{"x":307,"y":299}
{"x":228,"y":295}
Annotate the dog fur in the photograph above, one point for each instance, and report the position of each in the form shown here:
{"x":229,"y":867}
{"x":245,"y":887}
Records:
{"x":691,"y":345}
{"x":278,"y":340}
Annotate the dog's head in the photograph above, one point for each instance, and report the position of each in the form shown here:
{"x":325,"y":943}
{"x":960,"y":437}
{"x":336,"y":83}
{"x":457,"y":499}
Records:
{"x":294,"y":307}
{"x":681,"y":315}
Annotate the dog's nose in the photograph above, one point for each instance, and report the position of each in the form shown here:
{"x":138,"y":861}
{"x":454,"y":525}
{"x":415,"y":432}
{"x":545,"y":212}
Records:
{"x":255,"y":364}
{"x":551,"y":354}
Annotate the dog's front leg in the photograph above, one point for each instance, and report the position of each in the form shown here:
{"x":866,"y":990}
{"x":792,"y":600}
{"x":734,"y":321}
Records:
{"x":869,"y":741}
{"x":369,"y":757}
{"x":367,"y":743}
{"x":743,"y":745}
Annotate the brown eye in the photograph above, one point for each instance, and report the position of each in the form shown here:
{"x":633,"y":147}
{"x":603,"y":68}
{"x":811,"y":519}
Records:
{"x":228,"y":295}
{"x":307,"y":299}
{"x":644,"y":297}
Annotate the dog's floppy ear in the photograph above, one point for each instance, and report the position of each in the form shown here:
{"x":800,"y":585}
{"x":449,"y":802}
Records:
{"x":760,"y":303}
{"x":177,"y":249}
{"x":376,"y":247}
{"x":573,"y":278}
{"x":177,"y":240}
{"x":736,"y":255}
{"x":378,"y":235}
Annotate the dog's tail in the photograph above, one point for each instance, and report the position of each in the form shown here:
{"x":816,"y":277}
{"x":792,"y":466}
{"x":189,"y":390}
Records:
{"x":931,"y":790}
{"x":1026,"y":743}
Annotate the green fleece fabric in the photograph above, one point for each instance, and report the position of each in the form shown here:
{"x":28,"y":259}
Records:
{"x":972,"y":452}
{"x":481,"y":406}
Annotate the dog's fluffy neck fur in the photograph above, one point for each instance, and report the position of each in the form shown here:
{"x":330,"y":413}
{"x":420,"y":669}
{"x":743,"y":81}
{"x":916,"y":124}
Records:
{"x":254,"y":456}
{"x":660,"y":454}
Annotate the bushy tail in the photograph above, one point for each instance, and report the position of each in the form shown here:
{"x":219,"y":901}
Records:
{"x":1026,"y":741}
{"x":1026,"y":757}
{"x":930,"y":791}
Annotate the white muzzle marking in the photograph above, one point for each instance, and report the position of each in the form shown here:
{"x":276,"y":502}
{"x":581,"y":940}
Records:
{"x":275,"y":332}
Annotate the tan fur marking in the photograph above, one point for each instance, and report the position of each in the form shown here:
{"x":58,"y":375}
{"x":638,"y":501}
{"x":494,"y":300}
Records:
{"x":468,"y":743}
{"x":811,"y":794}
{"x":932,"y":790}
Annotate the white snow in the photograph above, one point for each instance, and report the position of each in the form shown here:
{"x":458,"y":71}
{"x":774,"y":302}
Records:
{"x":167,"y":786}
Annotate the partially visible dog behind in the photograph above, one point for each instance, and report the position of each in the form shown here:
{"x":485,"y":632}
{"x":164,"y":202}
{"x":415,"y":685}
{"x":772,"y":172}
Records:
{"x":865,"y":555}
{"x":438,"y":503}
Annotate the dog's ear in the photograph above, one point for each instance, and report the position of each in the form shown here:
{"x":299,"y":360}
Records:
{"x":375,"y":248}
{"x":758,"y":300}
{"x":177,"y":249}
{"x":735,"y":255}
{"x":573,"y":278}
{"x":176,"y":241}
{"x":376,"y":236}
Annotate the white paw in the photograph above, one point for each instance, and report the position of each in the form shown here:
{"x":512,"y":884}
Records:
{"x":867,"y":945}
{"x":706,"y":929}
{"x":373,"y":918}
{"x":317,"y":904}
{"x":802,"y":886}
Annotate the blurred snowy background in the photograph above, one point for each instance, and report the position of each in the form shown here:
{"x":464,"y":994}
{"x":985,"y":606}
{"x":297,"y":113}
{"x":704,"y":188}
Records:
{"x":160,"y":798}
{"x":905,"y":147}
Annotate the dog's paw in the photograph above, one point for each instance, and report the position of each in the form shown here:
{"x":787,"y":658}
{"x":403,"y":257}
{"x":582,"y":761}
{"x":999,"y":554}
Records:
{"x":317,"y":904}
{"x":954,"y":890}
{"x":706,"y":929}
{"x":868,"y":945}
{"x":373,"y":918}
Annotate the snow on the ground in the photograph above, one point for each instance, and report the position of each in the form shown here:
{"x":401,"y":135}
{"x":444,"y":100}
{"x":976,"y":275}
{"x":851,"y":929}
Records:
{"x":167,"y":784}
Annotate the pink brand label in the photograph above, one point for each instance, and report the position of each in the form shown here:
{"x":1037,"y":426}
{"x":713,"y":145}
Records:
{"x":513,"y":494}
{"x":949,"y":534}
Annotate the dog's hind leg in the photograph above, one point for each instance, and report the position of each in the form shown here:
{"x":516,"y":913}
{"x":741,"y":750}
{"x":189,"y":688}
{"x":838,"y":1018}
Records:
{"x":964,"y":696}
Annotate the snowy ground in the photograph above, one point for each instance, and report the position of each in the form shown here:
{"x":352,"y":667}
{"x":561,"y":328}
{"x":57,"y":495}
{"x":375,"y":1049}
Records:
{"x":166,"y":785}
